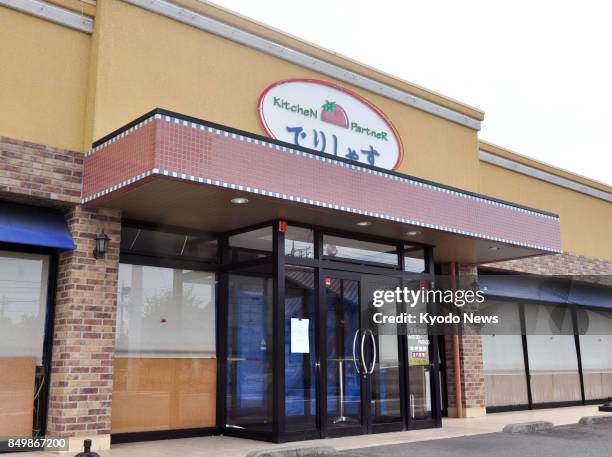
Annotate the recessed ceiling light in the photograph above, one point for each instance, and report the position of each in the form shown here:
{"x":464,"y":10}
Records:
{"x":494,"y":248}
{"x":364,"y":223}
{"x":239,"y":200}
{"x":413,"y":233}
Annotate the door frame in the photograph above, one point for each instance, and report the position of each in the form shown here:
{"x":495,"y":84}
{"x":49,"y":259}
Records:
{"x":324,"y":428}
{"x":322,"y":266}
{"x":367,"y":425}
{"x":435,"y":378}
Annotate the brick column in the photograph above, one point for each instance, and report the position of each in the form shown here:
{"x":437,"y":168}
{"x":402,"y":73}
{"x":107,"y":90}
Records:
{"x":470,"y":357}
{"x":84,"y":333}
{"x":472,"y":376}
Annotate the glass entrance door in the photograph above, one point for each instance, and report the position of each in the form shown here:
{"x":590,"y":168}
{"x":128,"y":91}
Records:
{"x":363,"y":375}
{"x":301,"y":356}
{"x":345,"y":380}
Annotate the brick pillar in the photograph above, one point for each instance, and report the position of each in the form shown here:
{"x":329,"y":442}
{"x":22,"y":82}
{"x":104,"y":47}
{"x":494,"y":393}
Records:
{"x":84,"y":334}
{"x":470,"y":357}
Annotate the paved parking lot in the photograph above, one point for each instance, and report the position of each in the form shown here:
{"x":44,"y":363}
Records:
{"x":562,"y":441}
{"x":225,"y":446}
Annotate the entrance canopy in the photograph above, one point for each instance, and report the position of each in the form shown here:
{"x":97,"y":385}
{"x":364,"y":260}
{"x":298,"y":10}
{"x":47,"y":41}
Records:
{"x":172,"y":169}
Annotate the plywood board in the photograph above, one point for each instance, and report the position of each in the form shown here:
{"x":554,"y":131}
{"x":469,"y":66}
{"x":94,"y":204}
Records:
{"x":17,"y":385}
{"x":163,"y":394}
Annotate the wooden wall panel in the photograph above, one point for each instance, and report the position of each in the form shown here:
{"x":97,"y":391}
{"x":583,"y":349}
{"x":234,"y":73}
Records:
{"x":597,"y":386}
{"x":17,"y":395}
{"x":504,"y":389}
{"x":555,"y":387}
{"x":163,"y":394}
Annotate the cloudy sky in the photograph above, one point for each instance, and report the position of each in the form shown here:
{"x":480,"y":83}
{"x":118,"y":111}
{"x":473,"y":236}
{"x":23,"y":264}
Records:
{"x":541,"y":70}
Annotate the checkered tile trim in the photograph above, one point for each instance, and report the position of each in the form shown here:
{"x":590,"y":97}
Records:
{"x":168,"y":146}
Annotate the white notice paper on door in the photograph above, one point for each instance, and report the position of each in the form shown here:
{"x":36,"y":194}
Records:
{"x":299,"y":336}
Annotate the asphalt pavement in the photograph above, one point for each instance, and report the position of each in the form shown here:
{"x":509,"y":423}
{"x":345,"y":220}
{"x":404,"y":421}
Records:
{"x":563,"y":441}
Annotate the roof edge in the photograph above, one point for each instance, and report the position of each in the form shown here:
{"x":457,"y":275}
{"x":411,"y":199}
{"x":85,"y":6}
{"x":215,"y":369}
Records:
{"x":525,"y":160}
{"x":265,"y":31}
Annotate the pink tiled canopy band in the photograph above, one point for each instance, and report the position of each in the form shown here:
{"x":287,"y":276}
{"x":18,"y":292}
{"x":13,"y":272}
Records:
{"x":165,"y":145}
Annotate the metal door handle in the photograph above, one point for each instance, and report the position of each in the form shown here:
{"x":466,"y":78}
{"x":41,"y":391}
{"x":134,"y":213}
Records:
{"x":365,"y":369}
{"x":354,"y":356}
{"x":371,"y":370}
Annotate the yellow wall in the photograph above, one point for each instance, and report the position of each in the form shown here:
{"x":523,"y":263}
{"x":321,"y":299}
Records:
{"x":196,"y":73}
{"x":284,"y":38}
{"x":43,"y":76}
{"x":585,"y":221}
{"x":65,"y":88}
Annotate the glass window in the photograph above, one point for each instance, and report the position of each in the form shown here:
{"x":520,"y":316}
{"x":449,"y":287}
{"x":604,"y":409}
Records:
{"x":23,"y":304}
{"x":385,"y":391}
{"x":503,"y":358}
{"x":420,"y":360}
{"x":419,"y":376}
{"x":249,"y":353}
{"x":300,"y":375}
{"x":165,"y":366}
{"x":414,"y":259}
{"x":553,"y":362}
{"x":252,"y":245}
{"x":366,"y":251}
{"x":164,"y":243}
{"x":299,"y":242}
{"x":595,"y":351}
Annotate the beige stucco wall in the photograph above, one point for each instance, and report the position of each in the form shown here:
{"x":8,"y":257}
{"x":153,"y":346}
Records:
{"x":43,"y":80}
{"x":586,"y":222}
{"x":65,"y":88}
{"x":196,"y":73}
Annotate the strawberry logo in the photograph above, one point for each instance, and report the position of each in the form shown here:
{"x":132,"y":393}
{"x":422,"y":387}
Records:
{"x":334,"y":114}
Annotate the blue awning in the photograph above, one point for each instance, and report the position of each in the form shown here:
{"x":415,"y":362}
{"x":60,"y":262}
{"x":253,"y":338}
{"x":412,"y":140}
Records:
{"x":547,"y":289}
{"x":46,"y":227}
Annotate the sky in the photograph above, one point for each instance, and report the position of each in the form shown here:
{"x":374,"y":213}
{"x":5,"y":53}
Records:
{"x":541,"y":70}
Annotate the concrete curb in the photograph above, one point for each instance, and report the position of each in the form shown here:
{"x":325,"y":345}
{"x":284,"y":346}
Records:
{"x":528,"y":427}
{"x":306,"y":451}
{"x":590,"y":420}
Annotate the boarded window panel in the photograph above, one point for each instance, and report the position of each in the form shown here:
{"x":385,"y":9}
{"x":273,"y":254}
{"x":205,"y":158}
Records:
{"x":163,"y":394}
{"x":595,"y":349}
{"x":553,"y":361}
{"x":165,"y":365}
{"x":503,"y":360}
{"x":23,"y":301}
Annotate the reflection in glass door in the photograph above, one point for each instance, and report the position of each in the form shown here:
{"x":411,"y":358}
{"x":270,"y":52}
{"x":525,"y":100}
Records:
{"x":300,"y":350}
{"x":364,"y":378}
{"x":249,"y":353}
{"x":420,"y":372}
{"x":385,"y":386}
{"x":344,"y":384}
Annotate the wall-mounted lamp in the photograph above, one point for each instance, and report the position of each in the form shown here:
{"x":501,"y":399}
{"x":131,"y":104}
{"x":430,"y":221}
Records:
{"x":101,"y":245}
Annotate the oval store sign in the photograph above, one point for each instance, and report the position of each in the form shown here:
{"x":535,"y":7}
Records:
{"x":328,"y":118}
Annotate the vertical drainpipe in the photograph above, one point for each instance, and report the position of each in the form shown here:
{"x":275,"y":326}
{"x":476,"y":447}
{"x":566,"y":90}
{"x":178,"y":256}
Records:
{"x":456,"y":359}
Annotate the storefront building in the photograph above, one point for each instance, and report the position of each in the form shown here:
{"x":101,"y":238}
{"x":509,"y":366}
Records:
{"x":190,"y":201}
